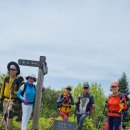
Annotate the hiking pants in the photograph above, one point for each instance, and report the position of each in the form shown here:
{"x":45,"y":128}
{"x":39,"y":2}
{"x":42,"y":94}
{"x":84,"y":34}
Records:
{"x":114,"y":122}
{"x":11,"y":109}
{"x":80,"y":119}
{"x":27,"y":111}
{"x":65,"y":116}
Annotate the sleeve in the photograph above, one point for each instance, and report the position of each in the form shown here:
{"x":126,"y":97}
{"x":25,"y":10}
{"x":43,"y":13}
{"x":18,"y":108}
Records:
{"x":125,"y":103}
{"x":72,"y":101}
{"x":92,"y":99}
{"x":19,"y":93}
{"x":60,"y":99}
{"x":2,"y":88}
{"x":78,"y":98}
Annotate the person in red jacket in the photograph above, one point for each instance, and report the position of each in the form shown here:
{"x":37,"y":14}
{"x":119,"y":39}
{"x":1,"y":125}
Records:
{"x":116,"y":103}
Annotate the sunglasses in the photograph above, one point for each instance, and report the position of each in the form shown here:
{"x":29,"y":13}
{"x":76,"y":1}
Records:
{"x":11,"y":69}
{"x":32,"y":78}
{"x":114,"y":87}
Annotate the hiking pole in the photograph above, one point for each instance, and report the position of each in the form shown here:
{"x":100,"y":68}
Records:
{"x":122,"y":121}
{"x":75,"y":115}
{"x":4,"y":114}
{"x":9,"y":108}
{"x":94,"y":119}
{"x":101,"y":118}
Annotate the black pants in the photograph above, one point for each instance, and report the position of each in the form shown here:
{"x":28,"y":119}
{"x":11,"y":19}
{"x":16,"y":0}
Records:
{"x":114,"y":122}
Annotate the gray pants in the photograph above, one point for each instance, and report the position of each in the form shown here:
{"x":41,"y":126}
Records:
{"x":80,"y":119}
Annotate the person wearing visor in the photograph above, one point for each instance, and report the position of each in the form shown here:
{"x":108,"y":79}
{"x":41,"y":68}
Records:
{"x":10,"y":85}
{"x":116,"y":103}
{"x":27,"y":94}
{"x":84,"y":103}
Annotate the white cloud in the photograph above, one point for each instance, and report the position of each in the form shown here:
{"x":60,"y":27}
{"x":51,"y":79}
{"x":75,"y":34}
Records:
{"x":83,"y":40}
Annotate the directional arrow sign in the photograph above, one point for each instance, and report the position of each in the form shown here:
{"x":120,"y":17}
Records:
{"x":30,"y":63}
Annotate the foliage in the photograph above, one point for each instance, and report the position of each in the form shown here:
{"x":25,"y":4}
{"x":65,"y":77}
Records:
{"x":48,"y":111}
{"x":49,"y":104}
{"x":124,"y":88}
{"x":124,"y":85}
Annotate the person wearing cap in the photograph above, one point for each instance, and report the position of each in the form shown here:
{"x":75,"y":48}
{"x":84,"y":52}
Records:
{"x":27,"y":94}
{"x":115,"y":103}
{"x":84,"y":103}
{"x":64,"y":102}
{"x":10,"y":86}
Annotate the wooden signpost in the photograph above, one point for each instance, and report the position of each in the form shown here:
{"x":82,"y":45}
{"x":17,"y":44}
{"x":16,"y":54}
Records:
{"x":43,"y":69}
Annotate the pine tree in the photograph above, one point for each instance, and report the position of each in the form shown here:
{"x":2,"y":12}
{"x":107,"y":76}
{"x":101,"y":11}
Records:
{"x":124,"y":85}
{"x":124,"y":88}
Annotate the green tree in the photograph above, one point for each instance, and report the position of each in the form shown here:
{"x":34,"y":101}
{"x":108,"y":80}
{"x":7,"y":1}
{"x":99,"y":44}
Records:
{"x":124,"y":85}
{"x":49,"y":102}
{"x":124,"y":88}
{"x":100,"y":98}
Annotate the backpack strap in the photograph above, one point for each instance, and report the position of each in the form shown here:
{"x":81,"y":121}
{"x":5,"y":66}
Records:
{"x":24,"y":89}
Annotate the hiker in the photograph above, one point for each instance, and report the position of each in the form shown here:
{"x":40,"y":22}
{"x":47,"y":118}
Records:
{"x":64,"y":102}
{"x":84,"y":105}
{"x":116,"y":104}
{"x":27,"y":94}
{"x":10,"y":85}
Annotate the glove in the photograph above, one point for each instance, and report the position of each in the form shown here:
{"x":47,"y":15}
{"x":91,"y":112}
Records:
{"x":66,"y":96}
{"x":69,"y":103}
{"x":26,"y":102}
{"x":93,"y":106}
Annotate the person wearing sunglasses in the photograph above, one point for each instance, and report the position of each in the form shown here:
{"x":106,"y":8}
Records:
{"x":11,"y":83}
{"x":27,"y":94}
{"x":116,"y":104}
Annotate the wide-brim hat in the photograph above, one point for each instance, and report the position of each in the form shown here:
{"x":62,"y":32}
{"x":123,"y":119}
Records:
{"x":32,"y":76}
{"x":15,"y":64}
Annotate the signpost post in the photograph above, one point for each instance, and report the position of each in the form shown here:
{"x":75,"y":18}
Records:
{"x":43,"y":69}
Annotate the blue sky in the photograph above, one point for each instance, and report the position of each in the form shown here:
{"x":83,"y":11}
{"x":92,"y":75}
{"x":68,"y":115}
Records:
{"x":83,"y":40}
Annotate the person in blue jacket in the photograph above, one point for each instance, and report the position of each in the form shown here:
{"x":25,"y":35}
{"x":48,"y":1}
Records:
{"x":84,"y":105}
{"x":27,"y":94}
